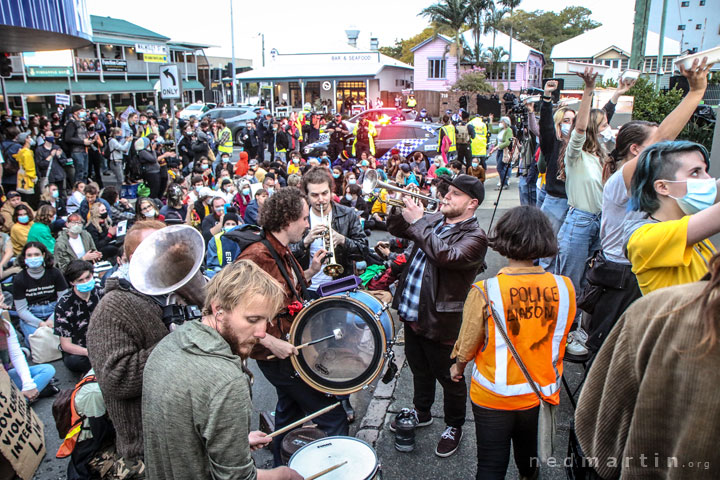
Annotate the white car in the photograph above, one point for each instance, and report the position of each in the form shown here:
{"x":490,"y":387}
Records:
{"x":196,"y":109}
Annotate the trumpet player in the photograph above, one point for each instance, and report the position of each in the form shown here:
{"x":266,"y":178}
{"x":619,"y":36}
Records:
{"x":448,"y":253}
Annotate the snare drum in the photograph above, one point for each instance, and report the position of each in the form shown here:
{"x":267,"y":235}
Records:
{"x":362,"y":462}
{"x":341,"y":366}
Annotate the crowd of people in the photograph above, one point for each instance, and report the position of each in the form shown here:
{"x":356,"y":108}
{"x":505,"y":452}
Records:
{"x":611,"y":218}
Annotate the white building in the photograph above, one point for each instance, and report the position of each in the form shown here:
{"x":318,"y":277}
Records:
{"x":693,"y":23}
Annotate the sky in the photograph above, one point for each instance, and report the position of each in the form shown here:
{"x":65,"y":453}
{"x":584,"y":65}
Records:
{"x":293,"y":26}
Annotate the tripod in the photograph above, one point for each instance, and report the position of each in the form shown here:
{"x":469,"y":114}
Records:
{"x":502,"y":187}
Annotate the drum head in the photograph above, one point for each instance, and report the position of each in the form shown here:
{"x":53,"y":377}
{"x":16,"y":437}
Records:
{"x":338,"y":366}
{"x":327,"y":452}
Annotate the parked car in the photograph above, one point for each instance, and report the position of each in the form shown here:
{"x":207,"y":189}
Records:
{"x":235,"y":118}
{"x":196,"y":109}
{"x":408,"y":137}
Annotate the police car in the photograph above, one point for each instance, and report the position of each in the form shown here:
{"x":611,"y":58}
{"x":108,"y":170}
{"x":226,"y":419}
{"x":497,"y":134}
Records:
{"x":407,"y":137}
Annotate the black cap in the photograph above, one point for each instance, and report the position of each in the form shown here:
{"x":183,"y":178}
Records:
{"x":231,"y":216}
{"x":12,"y":194}
{"x":468,"y":185}
{"x":75,"y":108}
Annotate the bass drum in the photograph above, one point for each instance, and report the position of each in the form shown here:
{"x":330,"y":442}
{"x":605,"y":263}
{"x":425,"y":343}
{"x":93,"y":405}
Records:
{"x":355,"y":356}
{"x":361,"y":460}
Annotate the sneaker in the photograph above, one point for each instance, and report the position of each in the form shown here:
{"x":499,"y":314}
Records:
{"x":449,"y":441}
{"x":576,"y":344}
{"x":423,"y":419}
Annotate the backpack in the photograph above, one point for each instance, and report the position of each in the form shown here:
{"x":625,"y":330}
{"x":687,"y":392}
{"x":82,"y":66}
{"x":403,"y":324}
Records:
{"x":462,"y":135}
{"x":11,"y":165}
{"x":62,"y":407}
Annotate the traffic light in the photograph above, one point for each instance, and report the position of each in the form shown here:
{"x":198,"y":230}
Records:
{"x":5,"y":65}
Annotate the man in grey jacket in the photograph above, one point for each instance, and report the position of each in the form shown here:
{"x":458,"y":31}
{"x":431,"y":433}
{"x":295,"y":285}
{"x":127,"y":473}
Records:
{"x":197,"y":425}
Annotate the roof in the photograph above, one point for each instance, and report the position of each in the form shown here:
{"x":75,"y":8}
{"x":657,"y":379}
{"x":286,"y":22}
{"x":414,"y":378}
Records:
{"x":117,"y":26}
{"x":190,"y":45}
{"x":51,"y":87}
{"x":520,"y":51}
{"x":598,"y":40}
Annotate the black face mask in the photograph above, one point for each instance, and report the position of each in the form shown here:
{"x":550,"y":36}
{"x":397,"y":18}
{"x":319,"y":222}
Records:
{"x":104,"y":215}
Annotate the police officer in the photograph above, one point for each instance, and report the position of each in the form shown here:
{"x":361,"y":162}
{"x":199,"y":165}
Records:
{"x":338,"y":131}
{"x":223,"y":138}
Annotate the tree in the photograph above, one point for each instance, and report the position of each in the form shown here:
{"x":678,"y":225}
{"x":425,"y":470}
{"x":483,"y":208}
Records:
{"x":402,"y":48}
{"x":494,"y":57}
{"x":510,"y":4}
{"x":493,"y":19}
{"x":472,"y":81}
{"x":476,"y":10}
{"x":452,"y":14}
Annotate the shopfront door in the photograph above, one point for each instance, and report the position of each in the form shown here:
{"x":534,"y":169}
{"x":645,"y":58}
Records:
{"x":348,"y":94}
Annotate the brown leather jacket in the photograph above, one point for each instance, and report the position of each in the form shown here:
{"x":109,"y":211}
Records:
{"x":454,"y":259}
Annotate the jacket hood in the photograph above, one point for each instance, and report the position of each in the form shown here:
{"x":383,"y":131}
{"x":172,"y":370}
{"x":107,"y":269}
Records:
{"x":197,"y":338}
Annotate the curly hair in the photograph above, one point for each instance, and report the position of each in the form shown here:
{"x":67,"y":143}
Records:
{"x":45,"y":214}
{"x":284,"y":207}
{"x":524,"y":233}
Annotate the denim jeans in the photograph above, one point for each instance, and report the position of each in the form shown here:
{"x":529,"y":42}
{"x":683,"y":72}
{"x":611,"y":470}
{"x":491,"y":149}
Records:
{"x":578,"y":240}
{"x":527,"y":186}
{"x":540,"y":197}
{"x":80,"y":159}
{"x":556,"y":209}
{"x":504,"y":169}
{"x":41,"y":375}
{"x":43,"y":312}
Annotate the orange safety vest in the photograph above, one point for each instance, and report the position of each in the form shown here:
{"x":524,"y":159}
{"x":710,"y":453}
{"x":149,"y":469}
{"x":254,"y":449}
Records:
{"x":537,"y":310}
{"x":76,"y":422}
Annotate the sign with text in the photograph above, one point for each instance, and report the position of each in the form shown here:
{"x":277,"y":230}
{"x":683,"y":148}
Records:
{"x":49,"y":71}
{"x":154,"y":58}
{"x":169,"y":82}
{"x":62,"y":99}
{"x":22,"y":437}
{"x":328,"y":58}
{"x":151,"y":48}
{"x":114,"y":65}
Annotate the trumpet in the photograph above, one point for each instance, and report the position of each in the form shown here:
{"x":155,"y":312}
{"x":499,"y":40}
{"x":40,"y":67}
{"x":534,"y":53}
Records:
{"x":331,"y":269}
{"x":371,"y":182}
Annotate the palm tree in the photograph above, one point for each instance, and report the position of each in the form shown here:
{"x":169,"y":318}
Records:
{"x":510,"y":4}
{"x":475,"y":13}
{"x":452,"y":14}
{"x":493,"y":17}
{"x":494,"y":56}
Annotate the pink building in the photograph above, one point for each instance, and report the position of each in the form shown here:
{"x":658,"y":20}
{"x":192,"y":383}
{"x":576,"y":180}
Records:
{"x":436,"y":69}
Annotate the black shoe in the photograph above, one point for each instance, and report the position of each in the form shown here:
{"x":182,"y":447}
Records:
{"x":349,"y":411}
{"x":49,"y":391}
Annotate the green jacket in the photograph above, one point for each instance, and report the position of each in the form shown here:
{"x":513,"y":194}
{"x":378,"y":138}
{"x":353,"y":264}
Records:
{"x":504,"y":138}
{"x":196,"y":425}
{"x":39,"y":232}
{"x":64,"y":253}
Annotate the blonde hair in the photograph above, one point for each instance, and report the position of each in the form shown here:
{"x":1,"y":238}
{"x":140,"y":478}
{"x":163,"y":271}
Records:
{"x":95,"y":216}
{"x":238,"y":283}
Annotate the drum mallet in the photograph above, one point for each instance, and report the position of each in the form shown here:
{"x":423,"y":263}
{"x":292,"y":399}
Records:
{"x":303,"y":420}
{"x":327,"y":470}
{"x":337,"y":334}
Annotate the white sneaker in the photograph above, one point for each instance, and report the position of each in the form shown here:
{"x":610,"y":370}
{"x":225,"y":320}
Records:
{"x":576,"y":343}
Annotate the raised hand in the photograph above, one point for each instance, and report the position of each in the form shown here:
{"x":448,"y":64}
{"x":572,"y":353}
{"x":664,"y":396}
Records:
{"x":697,"y":74}
{"x":588,"y":76}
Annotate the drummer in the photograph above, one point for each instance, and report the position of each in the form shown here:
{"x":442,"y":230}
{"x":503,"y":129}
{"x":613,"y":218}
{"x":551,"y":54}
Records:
{"x":284,"y":218}
{"x":198,"y":425}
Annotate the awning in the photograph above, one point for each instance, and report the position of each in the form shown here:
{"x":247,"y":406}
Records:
{"x":88,"y":87}
{"x":114,"y":41}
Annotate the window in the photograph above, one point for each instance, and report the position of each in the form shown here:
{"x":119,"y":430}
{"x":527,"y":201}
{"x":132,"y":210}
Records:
{"x":685,"y":4}
{"x":650,"y":65}
{"x":702,"y":3}
{"x":624,"y":63}
{"x":681,"y":27}
{"x":436,"y":68}
{"x":698,"y":26}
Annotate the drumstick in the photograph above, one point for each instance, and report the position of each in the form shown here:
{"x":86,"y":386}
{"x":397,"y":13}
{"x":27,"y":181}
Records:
{"x":337,"y":333}
{"x":327,"y":470}
{"x":303,"y":420}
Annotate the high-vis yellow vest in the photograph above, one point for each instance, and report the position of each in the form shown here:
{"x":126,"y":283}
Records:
{"x":478,"y":145}
{"x":450,"y":132}
{"x":226,"y":147}
{"x":537,"y":311}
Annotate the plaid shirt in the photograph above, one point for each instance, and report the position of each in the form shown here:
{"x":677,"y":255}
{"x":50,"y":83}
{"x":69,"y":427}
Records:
{"x":408,"y":307}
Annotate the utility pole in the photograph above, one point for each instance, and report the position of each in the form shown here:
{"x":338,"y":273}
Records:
{"x":659,"y":72}
{"x":263,"y":48}
{"x":642,"y":15}
{"x":232,"y":40}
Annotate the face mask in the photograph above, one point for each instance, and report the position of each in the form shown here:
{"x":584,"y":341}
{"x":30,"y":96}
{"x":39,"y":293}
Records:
{"x":225,"y":159}
{"x":82,"y":115}
{"x":701,"y":194}
{"x":270,"y":191}
{"x":32,"y":143}
{"x":336,"y":175}
{"x":54,"y":218}
{"x":56,"y":194}
{"x":352,"y":181}
{"x":34,"y":262}
{"x":246,"y":191}
{"x":565,"y":128}
{"x":296,"y":161}
{"x":348,"y":196}
{"x":23,"y":219}
{"x":104,"y":215}
{"x":17,"y":122}
{"x":475,"y":164}
{"x":188,"y":133}
{"x":149,"y":214}
{"x":50,"y":139}
{"x":197,"y":188}
{"x":87,"y":286}
{"x":227,"y":229}
{"x":75,"y":229}
{"x":143,"y":122}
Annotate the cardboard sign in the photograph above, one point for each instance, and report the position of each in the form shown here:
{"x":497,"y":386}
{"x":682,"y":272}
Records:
{"x":22,"y":436}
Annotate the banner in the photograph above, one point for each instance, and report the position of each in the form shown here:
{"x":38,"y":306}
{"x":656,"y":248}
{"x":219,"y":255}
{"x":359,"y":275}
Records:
{"x":49,"y":71}
{"x":155,"y":58}
{"x":152,"y":48}
{"x":84,"y":65}
{"x":114,"y":65}
{"x":22,"y":437}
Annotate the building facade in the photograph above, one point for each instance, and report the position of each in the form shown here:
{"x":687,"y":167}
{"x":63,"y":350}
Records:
{"x":693,"y":23}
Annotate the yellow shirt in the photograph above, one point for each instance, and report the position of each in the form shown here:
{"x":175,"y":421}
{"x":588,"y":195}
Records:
{"x":661,"y":257}
{"x":292,"y":168}
{"x":19,"y":235}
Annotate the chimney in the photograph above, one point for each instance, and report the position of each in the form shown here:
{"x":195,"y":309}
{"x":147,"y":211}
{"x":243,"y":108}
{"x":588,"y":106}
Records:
{"x":374,"y":44}
{"x":352,"y":35}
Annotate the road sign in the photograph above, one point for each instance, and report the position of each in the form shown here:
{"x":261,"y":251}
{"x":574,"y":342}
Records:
{"x":326,"y":86}
{"x":169,"y":82}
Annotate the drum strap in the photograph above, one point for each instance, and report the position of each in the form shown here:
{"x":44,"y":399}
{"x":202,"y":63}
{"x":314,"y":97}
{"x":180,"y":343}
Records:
{"x":281,"y":266}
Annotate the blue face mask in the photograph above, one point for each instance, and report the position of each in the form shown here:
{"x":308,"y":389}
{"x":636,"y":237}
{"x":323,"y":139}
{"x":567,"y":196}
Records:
{"x":86,"y":287}
{"x":50,"y":139}
{"x":23,"y":219}
{"x":296,"y":161}
{"x":336,"y":175}
{"x":701,"y":194}
{"x":228,"y":229}
{"x":82,"y":115}
{"x":56,"y":194}
{"x":34,"y":262}
{"x":246,"y":191}
{"x":352,"y":181}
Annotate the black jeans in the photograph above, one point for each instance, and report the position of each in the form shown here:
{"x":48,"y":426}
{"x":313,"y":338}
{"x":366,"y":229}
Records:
{"x":153,"y":182}
{"x":296,"y":399}
{"x":429,"y":362}
{"x":495,"y":429}
{"x":76,"y":363}
{"x":464,"y":154}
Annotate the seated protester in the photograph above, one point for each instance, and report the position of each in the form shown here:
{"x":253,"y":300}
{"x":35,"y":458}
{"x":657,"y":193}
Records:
{"x":13,"y":200}
{"x":241,"y":167}
{"x":91,"y":197}
{"x":253,"y":209}
{"x":437,"y":163}
{"x":51,"y":196}
{"x":505,"y":406}
{"x":456,"y":168}
{"x":31,"y":380}
{"x":202,"y":204}
{"x":212,"y":224}
{"x":294,"y":163}
{"x":196,"y":185}
{"x":294,"y":180}
{"x":103,"y":232}
{"x":120,"y":208}
{"x":74,"y":243}
{"x":72,"y":315}
{"x":338,"y":180}
{"x":146,"y":209}
{"x":221,"y":251}
{"x":37,"y":288}
{"x":76,"y":198}
{"x":476,"y":170}
{"x":175,"y":212}
{"x":227,"y":190}
{"x":419,"y":166}
{"x":242,"y":198}
{"x":7,"y":268}
{"x":672,"y":187}
{"x":40,"y":229}
{"x":405,"y":176}
{"x":353,"y":198}
{"x":268,"y":183}
{"x":222,"y":175}
{"x":22,"y":222}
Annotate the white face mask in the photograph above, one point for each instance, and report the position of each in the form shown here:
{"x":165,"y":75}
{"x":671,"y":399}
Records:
{"x":565,"y":128}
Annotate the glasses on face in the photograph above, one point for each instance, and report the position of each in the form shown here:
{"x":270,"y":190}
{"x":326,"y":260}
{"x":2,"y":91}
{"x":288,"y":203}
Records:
{"x":75,"y":223}
{"x":147,"y":208}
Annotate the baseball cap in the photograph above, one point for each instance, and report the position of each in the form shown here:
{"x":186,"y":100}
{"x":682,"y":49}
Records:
{"x":253,"y":162}
{"x":405,"y":167}
{"x":469,"y":185}
{"x":22,"y":137}
{"x":12,"y":194}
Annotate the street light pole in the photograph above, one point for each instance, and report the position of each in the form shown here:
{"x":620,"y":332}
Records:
{"x":232,"y":40}
{"x":659,"y":72}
